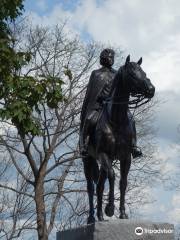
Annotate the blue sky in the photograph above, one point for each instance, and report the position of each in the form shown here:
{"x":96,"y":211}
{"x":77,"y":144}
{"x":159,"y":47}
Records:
{"x":141,"y":30}
{"x":45,"y":6}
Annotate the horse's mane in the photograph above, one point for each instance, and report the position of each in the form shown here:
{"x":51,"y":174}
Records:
{"x":116,"y":78}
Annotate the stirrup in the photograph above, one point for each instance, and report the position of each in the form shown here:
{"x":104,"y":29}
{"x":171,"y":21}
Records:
{"x":84,"y":150}
{"x":136,"y":152}
{"x":84,"y":153}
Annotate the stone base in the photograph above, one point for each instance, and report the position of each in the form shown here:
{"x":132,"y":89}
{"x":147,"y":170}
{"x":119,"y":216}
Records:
{"x":121,"y":229}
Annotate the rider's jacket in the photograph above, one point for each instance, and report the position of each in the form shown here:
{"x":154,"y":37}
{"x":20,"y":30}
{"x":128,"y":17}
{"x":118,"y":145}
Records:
{"x":98,"y":88}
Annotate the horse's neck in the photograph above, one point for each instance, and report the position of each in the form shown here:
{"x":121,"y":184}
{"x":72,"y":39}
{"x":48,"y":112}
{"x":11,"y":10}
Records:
{"x":119,"y":112}
{"x":119,"y":107}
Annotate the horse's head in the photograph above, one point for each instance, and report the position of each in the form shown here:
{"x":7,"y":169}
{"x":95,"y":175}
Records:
{"x":136,"y":79}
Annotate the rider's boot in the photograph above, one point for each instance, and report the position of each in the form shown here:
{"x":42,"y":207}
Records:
{"x":84,"y":147}
{"x":85,"y":138}
{"x":89,"y":124}
{"x":136,"y":152}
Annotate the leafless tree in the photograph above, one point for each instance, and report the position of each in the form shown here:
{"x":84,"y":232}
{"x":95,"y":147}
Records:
{"x":43,"y":188}
{"x":43,"y":168}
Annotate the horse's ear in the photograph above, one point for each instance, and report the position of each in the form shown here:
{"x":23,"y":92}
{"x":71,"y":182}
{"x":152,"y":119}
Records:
{"x":127,"y":59}
{"x":139,"y":61}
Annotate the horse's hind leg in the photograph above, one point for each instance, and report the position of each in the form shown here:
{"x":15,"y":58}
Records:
{"x":88,"y":171}
{"x":99,"y":191}
{"x":125,"y":166}
{"x":109,"y":209}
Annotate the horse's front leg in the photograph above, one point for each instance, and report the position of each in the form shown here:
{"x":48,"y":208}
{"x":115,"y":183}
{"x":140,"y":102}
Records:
{"x":90,"y":187}
{"x":99,"y":191}
{"x":125,"y":166}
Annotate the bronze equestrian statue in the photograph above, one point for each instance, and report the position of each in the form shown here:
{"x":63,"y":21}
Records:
{"x":97,"y":90}
{"x":107,"y":130}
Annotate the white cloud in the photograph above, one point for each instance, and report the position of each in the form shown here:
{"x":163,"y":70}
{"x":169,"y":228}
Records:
{"x":162,"y":65}
{"x":52,"y":18}
{"x":174,"y":213}
{"x":42,"y":4}
{"x":168,"y":118}
{"x":169,"y":168}
{"x":143,"y":28}
{"x":176,"y":200}
{"x":137,"y":25}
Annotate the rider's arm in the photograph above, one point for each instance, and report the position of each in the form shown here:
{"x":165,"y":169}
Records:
{"x":86,"y":98}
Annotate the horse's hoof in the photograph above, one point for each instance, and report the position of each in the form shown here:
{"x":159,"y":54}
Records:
{"x":123,"y":216}
{"x":90,"y":220}
{"x":109,"y":210}
{"x":100,"y":217}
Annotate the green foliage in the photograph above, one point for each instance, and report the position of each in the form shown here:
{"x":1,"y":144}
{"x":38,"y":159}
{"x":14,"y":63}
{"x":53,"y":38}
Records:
{"x":22,"y":96}
{"x":19,"y":95}
{"x":10,"y":9}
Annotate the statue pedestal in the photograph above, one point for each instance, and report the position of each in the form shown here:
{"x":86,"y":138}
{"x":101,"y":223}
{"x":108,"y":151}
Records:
{"x":121,"y":229}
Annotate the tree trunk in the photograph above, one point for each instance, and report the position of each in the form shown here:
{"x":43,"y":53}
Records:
{"x":40,"y":209}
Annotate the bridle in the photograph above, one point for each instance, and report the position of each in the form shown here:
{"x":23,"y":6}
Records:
{"x":137,"y":101}
{"x":134,"y":103}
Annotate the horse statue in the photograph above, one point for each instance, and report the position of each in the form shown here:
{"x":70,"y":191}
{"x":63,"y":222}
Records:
{"x":112,"y":137}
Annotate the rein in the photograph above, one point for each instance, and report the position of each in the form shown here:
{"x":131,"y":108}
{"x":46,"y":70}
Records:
{"x":133,"y":104}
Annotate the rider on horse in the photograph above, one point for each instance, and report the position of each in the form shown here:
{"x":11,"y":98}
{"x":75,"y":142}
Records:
{"x":98,"y":90}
